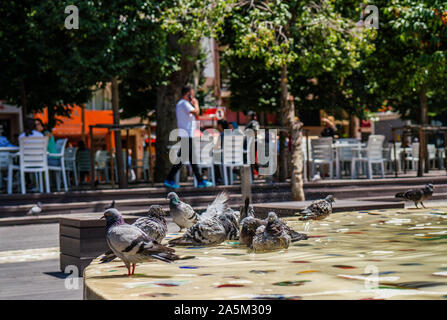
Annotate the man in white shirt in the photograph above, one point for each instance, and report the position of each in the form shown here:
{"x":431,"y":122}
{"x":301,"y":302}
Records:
{"x":187,"y":110}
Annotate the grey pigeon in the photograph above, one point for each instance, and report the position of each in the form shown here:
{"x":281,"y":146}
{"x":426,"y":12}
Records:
{"x":35,"y":210}
{"x":182,"y":213}
{"x":217,"y":207}
{"x":319,"y":209}
{"x":417,"y":195}
{"x":272,"y":236}
{"x":210,"y":231}
{"x":250,"y":224}
{"x":131,"y":244}
{"x":153,"y":225}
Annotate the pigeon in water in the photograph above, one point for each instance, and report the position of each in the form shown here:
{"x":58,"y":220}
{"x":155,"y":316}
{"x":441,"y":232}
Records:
{"x":210,"y":231}
{"x":417,"y":195}
{"x":217,"y":207}
{"x":182,"y":213}
{"x":250,"y":224}
{"x":153,"y":225}
{"x":272,"y":236}
{"x":131,"y":244}
{"x":319,"y":209}
{"x":35,"y":210}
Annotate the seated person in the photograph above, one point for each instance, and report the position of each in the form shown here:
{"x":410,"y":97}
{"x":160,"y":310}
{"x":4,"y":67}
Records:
{"x":30,"y":129}
{"x":329,"y":129}
{"x":3,"y":140}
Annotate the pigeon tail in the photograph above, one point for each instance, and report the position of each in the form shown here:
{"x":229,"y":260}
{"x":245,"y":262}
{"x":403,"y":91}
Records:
{"x":305,"y":211}
{"x":296,"y":236}
{"x":183,"y":241}
{"x":165,"y":256}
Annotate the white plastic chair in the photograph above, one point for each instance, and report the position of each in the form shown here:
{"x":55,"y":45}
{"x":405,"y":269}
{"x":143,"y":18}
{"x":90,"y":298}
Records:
{"x":32,"y":159}
{"x":322,"y":154}
{"x":60,"y":169}
{"x":70,"y":163}
{"x":143,"y":164}
{"x":374,"y":155}
{"x":102,"y":159}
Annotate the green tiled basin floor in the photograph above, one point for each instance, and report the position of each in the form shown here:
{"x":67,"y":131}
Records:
{"x":376,"y":254}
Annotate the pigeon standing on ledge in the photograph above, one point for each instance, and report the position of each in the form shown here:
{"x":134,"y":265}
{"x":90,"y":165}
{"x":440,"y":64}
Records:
{"x":182,"y":213}
{"x":272,"y":236}
{"x":35,"y":210}
{"x":319,"y":209}
{"x":417,"y":195}
{"x":131,"y":244}
{"x":154,"y":225}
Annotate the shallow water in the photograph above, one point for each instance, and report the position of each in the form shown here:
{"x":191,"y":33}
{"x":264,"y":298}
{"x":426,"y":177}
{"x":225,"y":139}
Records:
{"x":375,"y":254}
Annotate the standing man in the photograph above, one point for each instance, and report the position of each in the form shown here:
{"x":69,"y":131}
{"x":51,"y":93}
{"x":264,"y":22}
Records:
{"x":187,"y":110}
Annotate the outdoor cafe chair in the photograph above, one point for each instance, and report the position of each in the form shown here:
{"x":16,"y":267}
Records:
{"x":374,"y":155}
{"x":33,"y":158}
{"x":70,"y":164}
{"x":60,"y":169}
{"x":144,"y":165}
{"x":102,"y":159}
{"x":322,"y":154}
{"x":83,"y":162}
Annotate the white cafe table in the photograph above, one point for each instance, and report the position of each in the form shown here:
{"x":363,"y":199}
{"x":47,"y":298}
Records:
{"x":338,"y":147}
{"x":9,"y":149}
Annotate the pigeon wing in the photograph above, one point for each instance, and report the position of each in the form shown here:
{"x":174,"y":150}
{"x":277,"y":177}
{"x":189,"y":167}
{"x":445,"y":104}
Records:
{"x":217,"y":207}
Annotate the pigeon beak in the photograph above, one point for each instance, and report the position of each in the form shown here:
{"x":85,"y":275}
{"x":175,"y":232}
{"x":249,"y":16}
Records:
{"x":102,"y":218}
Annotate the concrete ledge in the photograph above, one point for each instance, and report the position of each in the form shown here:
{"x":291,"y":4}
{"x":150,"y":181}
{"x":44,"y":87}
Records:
{"x":292,"y":207}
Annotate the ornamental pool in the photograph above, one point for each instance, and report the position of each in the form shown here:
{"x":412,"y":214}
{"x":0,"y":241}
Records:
{"x":373,"y":254}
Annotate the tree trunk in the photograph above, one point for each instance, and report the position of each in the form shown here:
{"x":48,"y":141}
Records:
{"x":284,"y":123}
{"x":122,"y":181}
{"x":423,"y":102}
{"x":295,"y":126}
{"x":167,"y":97}
{"x":24,"y":103}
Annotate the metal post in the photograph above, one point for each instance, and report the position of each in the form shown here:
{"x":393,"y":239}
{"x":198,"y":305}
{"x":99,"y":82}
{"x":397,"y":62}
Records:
{"x":112,"y":163}
{"x":92,"y":159}
{"x":245,"y":182}
{"x":151,"y":179}
{"x":307,"y":156}
{"x":395,"y":153}
{"x":421,"y":152}
{"x":404,"y":153}
{"x":127,"y":154}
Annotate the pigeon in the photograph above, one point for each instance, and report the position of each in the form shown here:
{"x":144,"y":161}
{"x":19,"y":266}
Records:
{"x":417,"y":195}
{"x":272,"y":236}
{"x":210,"y":231}
{"x":319,"y":209}
{"x":131,"y":244}
{"x":182,"y":213}
{"x":217,"y":207}
{"x":250,"y":224}
{"x":153,"y":225}
{"x":35,"y":210}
